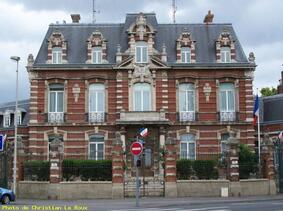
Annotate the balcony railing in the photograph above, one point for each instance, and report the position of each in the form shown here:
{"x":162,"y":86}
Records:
{"x":56,"y":117}
{"x":227,"y":116}
{"x":187,"y":116}
{"x":96,"y":117}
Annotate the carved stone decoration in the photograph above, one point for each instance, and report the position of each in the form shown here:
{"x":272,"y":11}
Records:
{"x":118,"y":140}
{"x":251,"y":57}
{"x":141,"y":24}
{"x":164,"y":53}
{"x":96,"y":39}
{"x":249,"y":74}
{"x":185,"y":40}
{"x":57,"y":40}
{"x":141,"y":72}
{"x":207,"y":91}
{"x":225,"y":40}
{"x":76,"y":92}
{"x":209,"y":17}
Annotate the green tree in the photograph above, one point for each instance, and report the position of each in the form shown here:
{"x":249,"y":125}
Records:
{"x":247,"y":162}
{"x":267,"y":91}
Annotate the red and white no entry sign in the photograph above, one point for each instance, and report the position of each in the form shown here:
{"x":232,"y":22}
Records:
{"x":136,"y":148}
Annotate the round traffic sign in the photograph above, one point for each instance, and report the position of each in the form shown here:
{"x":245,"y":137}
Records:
{"x":136,"y":148}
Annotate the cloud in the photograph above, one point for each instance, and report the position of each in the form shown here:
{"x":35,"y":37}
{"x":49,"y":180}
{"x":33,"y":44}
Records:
{"x":25,"y":22}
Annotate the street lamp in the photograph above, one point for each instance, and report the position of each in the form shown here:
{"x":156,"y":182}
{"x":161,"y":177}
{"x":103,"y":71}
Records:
{"x":17,"y":59}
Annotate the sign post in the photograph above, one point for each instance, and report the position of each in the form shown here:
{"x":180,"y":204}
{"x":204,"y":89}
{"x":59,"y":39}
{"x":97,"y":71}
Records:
{"x":1,"y":143}
{"x":136,"y":150}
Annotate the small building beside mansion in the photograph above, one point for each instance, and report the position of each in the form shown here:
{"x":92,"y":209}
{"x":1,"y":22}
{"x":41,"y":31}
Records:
{"x":93,"y":85}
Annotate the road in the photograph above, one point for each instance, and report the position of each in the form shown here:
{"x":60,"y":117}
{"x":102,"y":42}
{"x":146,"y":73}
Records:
{"x":262,"y":203}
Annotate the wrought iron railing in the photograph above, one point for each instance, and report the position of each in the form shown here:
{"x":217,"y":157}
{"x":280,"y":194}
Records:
{"x":227,"y":116}
{"x":187,"y":116}
{"x":96,"y":117}
{"x":56,"y":117}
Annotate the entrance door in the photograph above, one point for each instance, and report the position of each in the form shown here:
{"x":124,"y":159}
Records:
{"x":151,"y":181}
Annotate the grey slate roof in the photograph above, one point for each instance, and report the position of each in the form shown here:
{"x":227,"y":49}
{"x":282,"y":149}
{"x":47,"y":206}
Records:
{"x":205,"y":36}
{"x":10,"y":106}
{"x":271,"y":109}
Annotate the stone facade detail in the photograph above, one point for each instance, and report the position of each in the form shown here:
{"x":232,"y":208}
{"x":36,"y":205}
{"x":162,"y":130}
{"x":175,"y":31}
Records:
{"x":57,"y":40}
{"x":225,"y":40}
{"x":185,"y":40}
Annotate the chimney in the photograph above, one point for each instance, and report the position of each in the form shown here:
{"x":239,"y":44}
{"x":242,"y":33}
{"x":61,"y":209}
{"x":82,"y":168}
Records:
{"x":208,"y":18}
{"x":75,"y":18}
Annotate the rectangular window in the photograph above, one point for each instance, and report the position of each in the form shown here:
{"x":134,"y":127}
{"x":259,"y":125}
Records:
{"x":7,"y":120}
{"x":96,"y":147}
{"x":186,"y":54}
{"x":188,"y":147}
{"x":142,"y":97}
{"x":141,"y":52}
{"x":96,"y":55}
{"x":56,"y":101}
{"x":227,"y":97}
{"x":56,"y":55}
{"x":225,"y":54}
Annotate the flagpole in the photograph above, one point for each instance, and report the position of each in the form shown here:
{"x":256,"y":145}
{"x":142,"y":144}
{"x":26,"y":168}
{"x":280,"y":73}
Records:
{"x":258,"y":136}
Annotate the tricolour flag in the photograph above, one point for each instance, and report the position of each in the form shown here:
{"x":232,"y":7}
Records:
{"x":280,"y":135}
{"x":143,"y":132}
{"x":2,"y":139}
{"x":256,"y":110}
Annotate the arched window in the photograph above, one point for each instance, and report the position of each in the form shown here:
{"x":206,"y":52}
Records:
{"x":96,"y":55}
{"x":227,"y":102}
{"x":96,"y":147}
{"x":96,"y":102}
{"x":188,"y":146}
{"x":141,"y":52}
{"x":186,"y":54}
{"x":187,"y":102}
{"x":142,"y":97}
{"x":57,"y":55}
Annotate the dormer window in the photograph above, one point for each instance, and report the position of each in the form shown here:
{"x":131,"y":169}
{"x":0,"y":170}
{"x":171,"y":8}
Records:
{"x":225,"y":54}
{"x":19,"y":118}
{"x":141,"y":52}
{"x":186,"y":54}
{"x":7,"y":120}
{"x":57,"y":55}
{"x":96,"y":55}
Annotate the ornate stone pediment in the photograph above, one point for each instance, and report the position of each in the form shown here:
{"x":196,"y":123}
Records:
{"x":141,"y":72}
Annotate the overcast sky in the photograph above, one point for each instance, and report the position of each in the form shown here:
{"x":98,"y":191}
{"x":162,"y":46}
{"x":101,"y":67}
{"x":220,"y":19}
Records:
{"x":23,"y":24}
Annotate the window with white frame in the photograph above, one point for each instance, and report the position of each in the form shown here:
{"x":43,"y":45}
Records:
{"x":187,"y":102}
{"x":57,"y":55}
{"x":186,"y":54}
{"x":96,"y":103}
{"x":56,"y":98}
{"x":141,"y":52}
{"x":96,"y":55}
{"x":19,"y":118}
{"x":96,"y":147}
{"x":7,"y":120}
{"x":227,"y":102}
{"x":225,"y":54}
{"x":142,"y":97}
{"x":227,"y":97}
{"x":188,"y":146}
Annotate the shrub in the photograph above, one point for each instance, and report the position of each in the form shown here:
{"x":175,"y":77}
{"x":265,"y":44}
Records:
{"x":37,"y":170}
{"x":247,"y":162}
{"x":184,"y":169}
{"x":93,"y":170}
{"x":205,"y":169}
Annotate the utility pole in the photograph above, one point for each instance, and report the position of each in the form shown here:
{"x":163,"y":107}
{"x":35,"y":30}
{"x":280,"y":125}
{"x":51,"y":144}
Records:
{"x":174,"y":10}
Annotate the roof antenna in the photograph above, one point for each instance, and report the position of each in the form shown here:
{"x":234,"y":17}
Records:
{"x":94,"y":11}
{"x":174,"y":10}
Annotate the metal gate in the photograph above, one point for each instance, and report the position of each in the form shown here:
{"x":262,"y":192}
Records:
{"x":278,"y":158}
{"x":3,"y":169}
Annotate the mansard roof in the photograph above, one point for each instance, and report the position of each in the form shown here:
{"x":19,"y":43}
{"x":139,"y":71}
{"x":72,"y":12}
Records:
{"x":204,"y":35}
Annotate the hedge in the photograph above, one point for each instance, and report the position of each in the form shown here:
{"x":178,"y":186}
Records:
{"x":200,"y":169}
{"x":247,"y":162}
{"x":87,"y":170}
{"x":37,"y":170}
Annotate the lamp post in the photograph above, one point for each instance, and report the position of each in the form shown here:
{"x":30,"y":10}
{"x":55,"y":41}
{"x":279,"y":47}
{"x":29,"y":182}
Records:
{"x":17,"y":59}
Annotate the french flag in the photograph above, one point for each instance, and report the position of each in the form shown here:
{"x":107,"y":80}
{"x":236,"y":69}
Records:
{"x":256,"y":110}
{"x":143,"y":132}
